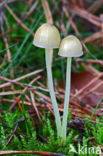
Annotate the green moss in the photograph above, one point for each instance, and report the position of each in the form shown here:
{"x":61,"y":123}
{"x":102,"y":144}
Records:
{"x":26,"y":138}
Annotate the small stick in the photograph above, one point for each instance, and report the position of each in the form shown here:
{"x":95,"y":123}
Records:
{"x":2,"y":18}
{"x":12,"y":101}
{"x":30,"y":152}
{"x":17,"y":19}
{"x":21,"y":78}
{"x":10,"y":93}
{"x":47,"y":11}
{"x":94,"y":37}
{"x":24,"y":84}
{"x":18,"y":102}
{"x":33,"y":7}
{"x":85,"y":110}
{"x":90,"y":61}
{"x":44,"y":96}
{"x":11,"y":137}
{"x":95,"y":6}
{"x":71,"y":21}
{"x":88,"y":16}
{"x":24,"y":90}
{"x":48,"y":105}
{"x":11,"y":81}
{"x":34,"y":104}
{"x":90,"y":83}
{"x":16,"y":123}
{"x":92,"y":90}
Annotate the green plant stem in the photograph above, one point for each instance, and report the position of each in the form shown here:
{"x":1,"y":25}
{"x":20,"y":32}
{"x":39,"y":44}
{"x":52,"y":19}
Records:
{"x":52,"y":93}
{"x":67,"y":95}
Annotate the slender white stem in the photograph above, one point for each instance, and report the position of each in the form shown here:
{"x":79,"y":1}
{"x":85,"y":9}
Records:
{"x":52,"y":93}
{"x":67,"y":95}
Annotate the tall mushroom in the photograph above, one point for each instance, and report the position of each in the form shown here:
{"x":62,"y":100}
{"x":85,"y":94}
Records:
{"x":47,"y":36}
{"x":70,"y":47}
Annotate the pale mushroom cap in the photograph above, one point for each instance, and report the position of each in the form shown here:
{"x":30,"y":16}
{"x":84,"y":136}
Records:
{"x":70,"y":47}
{"x":47,"y":36}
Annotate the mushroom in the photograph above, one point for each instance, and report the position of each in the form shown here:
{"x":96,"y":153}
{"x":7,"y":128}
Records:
{"x":70,"y":47}
{"x":47,"y":36}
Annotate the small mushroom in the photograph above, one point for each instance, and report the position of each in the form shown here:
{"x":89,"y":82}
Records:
{"x":47,"y":36}
{"x":70,"y":47}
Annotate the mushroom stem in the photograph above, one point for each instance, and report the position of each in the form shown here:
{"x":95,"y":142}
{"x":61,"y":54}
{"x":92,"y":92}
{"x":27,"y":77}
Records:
{"x":67,"y":95}
{"x":52,"y":93}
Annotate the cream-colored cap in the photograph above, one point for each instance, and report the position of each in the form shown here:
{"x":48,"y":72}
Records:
{"x":47,"y":36}
{"x":70,"y":47}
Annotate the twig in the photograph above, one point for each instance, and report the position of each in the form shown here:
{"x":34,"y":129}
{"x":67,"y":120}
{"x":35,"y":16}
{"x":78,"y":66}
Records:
{"x":11,"y":137}
{"x":90,"y":83}
{"x":71,"y":21}
{"x":24,"y":90}
{"x":2,"y":18}
{"x":21,"y":78}
{"x":94,"y":37}
{"x":16,"y":123}
{"x":30,"y":152}
{"x":47,"y":11}
{"x":48,"y":105}
{"x":24,"y":84}
{"x":91,"y":69}
{"x":13,"y":101}
{"x":44,"y":96}
{"x":18,"y":102}
{"x":92,"y":90}
{"x":32,"y":8}
{"x":88,"y":16}
{"x":11,"y":81}
{"x":34,"y":104}
{"x":17,"y":19}
{"x":10,"y":93}
{"x":85,"y":110}
{"x":90,"y":61}
{"x":95,"y":6}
